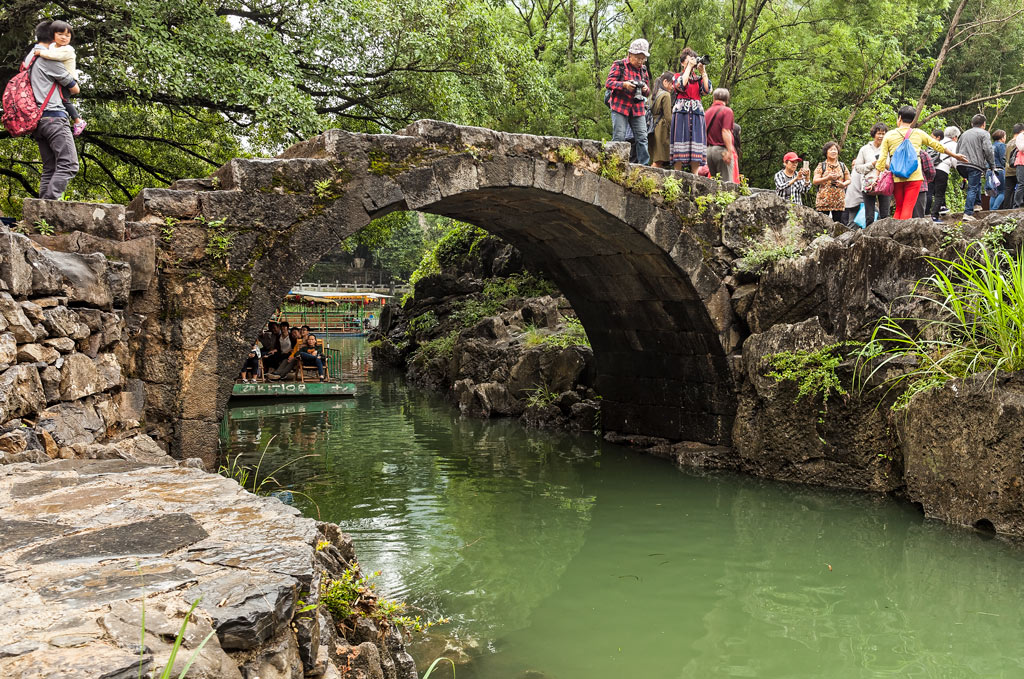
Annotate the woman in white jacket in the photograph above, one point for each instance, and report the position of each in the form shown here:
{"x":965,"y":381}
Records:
{"x":864,"y":164}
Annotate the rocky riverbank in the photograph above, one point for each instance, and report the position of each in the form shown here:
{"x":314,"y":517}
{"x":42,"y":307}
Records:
{"x":493,"y":337}
{"x":93,"y":551}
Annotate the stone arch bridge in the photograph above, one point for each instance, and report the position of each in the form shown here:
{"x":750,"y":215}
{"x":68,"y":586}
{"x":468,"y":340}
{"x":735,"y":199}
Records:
{"x":647,"y":276}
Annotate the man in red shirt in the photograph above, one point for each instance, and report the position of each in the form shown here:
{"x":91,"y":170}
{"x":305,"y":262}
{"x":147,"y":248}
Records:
{"x":719,"y":120}
{"x":628,"y":84}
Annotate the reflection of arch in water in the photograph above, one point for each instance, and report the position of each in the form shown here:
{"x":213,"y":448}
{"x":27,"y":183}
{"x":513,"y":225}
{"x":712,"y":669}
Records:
{"x":657,"y":315}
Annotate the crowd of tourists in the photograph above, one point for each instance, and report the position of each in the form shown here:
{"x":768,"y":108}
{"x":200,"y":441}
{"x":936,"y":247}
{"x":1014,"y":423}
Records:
{"x":281,"y":349}
{"x":876,"y":182}
{"x":666,"y":123}
{"x":903,"y":171}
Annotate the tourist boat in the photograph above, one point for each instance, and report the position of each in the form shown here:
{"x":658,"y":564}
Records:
{"x":299,"y":388}
{"x":337,"y":314}
{"x":293,"y":390}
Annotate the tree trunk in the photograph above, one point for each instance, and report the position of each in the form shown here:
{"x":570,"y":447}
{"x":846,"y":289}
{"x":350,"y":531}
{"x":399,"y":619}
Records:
{"x":941,"y":58}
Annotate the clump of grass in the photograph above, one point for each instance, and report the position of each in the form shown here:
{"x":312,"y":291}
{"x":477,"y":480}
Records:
{"x":611,"y":166}
{"x":978,"y":329}
{"x":773,"y":246}
{"x":671,"y":188}
{"x":813,"y":370}
{"x":540,"y":397}
{"x":570,"y":155}
{"x":571,"y":336}
{"x":249,"y":478}
{"x":354,"y":594}
{"x":641,"y":183}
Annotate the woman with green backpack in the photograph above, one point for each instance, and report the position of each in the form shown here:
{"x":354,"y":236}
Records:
{"x":899,"y":161}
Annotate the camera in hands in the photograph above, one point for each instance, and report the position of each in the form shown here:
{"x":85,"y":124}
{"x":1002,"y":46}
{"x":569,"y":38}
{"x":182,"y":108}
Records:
{"x":706,"y":60}
{"x":638,"y":93}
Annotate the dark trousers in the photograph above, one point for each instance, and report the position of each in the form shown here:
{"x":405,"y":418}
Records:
{"x":311,"y":360}
{"x":930,"y":197}
{"x":1018,"y":192}
{"x":941,"y":184}
{"x":883,"y":203}
{"x":59,"y":156}
{"x":836,"y":215}
{"x":1008,"y":187}
{"x":850,"y":214}
{"x":922,"y":202}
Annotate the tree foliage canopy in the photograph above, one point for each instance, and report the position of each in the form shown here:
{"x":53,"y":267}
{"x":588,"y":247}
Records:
{"x":174,"y":88}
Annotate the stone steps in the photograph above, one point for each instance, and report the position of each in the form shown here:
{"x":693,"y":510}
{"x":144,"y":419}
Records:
{"x":98,"y":219}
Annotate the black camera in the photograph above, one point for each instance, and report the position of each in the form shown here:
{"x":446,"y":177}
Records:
{"x":638,"y":93}
{"x":706,"y":60}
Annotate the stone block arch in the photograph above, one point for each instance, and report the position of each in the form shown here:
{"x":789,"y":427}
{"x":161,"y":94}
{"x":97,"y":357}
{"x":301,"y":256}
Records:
{"x":640,"y":274}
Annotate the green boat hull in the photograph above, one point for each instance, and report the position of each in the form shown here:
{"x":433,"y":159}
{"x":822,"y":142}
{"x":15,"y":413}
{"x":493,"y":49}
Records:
{"x":294,"y":390}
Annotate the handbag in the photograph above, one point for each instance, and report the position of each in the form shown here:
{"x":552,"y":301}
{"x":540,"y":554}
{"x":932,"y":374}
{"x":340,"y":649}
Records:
{"x":885,"y":185}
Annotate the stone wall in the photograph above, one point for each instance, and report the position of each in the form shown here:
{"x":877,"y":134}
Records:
{"x":64,"y":352}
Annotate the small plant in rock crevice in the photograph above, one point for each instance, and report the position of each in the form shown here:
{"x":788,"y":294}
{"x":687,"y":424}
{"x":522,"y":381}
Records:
{"x":353,"y":595}
{"x":43,"y":228}
{"x":671,"y":189}
{"x":218,"y":241}
{"x":773,"y":246}
{"x":570,"y":155}
{"x":540,"y":397}
{"x":813,"y":370}
{"x":324,"y":189}
{"x":167,"y":230}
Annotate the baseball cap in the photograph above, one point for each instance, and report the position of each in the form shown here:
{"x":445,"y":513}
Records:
{"x":791,"y":156}
{"x":640,"y":46}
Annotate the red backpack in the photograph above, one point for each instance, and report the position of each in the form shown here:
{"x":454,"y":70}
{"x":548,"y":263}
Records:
{"x":21,"y":112}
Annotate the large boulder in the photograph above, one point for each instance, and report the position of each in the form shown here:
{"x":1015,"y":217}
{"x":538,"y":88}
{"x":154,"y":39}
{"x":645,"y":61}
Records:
{"x":71,"y":423}
{"x":779,"y":434}
{"x":962,"y":447}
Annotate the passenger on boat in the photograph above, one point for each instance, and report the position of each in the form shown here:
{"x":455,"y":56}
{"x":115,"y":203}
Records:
{"x":294,"y":343}
{"x":310,"y":356}
{"x":270,"y":339}
{"x":305,"y":331}
{"x":251,"y":369}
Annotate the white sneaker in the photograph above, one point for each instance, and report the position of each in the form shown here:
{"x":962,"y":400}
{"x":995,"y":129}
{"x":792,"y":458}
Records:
{"x":969,"y":218}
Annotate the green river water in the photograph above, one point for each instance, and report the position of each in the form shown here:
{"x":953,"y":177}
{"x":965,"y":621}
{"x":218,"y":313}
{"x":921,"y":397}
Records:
{"x":565,"y":557}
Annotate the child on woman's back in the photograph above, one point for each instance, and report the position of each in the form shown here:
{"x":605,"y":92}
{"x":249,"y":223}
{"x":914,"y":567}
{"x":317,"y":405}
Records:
{"x":62,"y":51}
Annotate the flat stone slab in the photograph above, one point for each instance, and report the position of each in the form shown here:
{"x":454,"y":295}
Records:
{"x":152,"y":537}
{"x":14,"y":534}
{"x":84,"y":542}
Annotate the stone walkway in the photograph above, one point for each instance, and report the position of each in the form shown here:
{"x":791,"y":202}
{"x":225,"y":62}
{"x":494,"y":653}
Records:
{"x":84,"y":542}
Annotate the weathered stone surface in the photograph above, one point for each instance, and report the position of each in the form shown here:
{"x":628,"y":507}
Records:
{"x":21,"y":392}
{"x":71,"y":423}
{"x":17,"y":322}
{"x":61,"y":321}
{"x":32,"y":310}
{"x":64,"y":345}
{"x":152,"y":537}
{"x":37,"y":353}
{"x":79,"y":377}
{"x":8,"y":348}
{"x":97,"y":219}
{"x":247,"y":611}
{"x":15,"y":271}
{"x":132,"y":538}
{"x":86,"y":279}
{"x":138,"y":253}
{"x":845,"y":443}
{"x":962,"y":449}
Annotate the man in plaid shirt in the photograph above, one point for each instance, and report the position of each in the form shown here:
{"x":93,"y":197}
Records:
{"x":627,"y":110}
